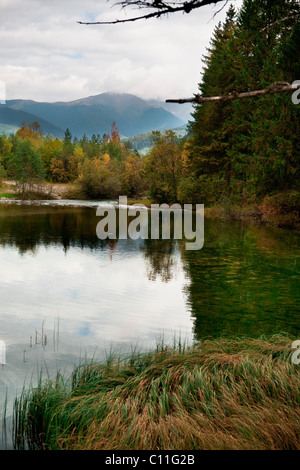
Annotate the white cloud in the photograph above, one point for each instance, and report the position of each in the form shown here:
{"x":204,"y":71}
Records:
{"x":48,"y":56}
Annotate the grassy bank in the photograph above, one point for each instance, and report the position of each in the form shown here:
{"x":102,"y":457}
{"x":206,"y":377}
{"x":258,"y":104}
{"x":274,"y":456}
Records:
{"x":11,"y":190}
{"x":220,"y":394}
{"x":279,"y":209}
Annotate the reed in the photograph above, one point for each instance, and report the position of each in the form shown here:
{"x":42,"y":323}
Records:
{"x":220,"y":394}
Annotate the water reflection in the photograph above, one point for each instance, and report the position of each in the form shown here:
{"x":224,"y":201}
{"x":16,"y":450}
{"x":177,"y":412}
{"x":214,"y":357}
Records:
{"x":66,"y":294}
{"x":29,"y":227}
{"x":161,"y":259}
{"x":245,"y":280}
{"x":104,"y":291}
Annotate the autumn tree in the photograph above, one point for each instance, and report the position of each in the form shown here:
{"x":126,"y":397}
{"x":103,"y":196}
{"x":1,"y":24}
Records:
{"x":32,"y":132}
{"x":75,"y":160}
{"x":58,"y":172}
{"x":50,"y":149}
{"x":133,"y":183}
{"x":113,"y":143}
{"x":163,"y":166}
{"x":5,"y":151}
{"x":2,"y":173}
{"x":97,"y":180}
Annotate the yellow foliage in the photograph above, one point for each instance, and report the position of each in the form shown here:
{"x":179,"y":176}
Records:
{"x":78,"y":153}
{"x":58,"y":171}
{"x":185,"y":156}
{"x":132,"y":174}
{"x":6,"y":145}
{"x":106,"y":158}
{"x":32,"y":135}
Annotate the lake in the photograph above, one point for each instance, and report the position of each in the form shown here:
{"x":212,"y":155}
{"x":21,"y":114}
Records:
{"x":67,"y":296}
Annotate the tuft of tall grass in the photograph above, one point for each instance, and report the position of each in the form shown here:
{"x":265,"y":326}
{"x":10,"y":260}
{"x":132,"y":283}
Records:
{"x":218,"y":394}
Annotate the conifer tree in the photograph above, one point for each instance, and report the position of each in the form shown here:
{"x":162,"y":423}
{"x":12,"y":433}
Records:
{"x":247,"y":148}
{"x":209,"y":163}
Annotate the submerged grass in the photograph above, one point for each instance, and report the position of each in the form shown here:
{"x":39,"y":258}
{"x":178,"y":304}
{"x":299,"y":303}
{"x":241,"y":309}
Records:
{"x":219,"y":394}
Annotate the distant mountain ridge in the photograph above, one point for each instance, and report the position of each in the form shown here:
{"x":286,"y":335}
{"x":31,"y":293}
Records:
{"x":92,"y":115}
{"x":15,"y":118}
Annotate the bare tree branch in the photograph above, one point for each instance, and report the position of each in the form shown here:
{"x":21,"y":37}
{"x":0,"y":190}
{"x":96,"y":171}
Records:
{"x":280,"y":21}
{"x":161,"y":8}
{"x":277,"y":87}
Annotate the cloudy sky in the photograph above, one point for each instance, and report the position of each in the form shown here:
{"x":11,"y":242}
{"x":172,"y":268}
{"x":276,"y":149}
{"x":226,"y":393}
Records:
{"x":47,"y":56}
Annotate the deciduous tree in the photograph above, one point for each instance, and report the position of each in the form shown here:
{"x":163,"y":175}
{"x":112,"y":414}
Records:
{"x":25,"y":166}
{"x":163,"y":166}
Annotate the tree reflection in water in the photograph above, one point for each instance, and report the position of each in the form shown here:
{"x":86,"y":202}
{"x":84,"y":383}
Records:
{"x":244,"y":281}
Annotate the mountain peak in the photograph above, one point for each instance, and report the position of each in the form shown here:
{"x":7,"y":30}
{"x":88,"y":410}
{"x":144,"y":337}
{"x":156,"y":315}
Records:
{"x":95,"y":114}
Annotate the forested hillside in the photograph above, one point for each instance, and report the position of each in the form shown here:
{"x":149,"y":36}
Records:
{"x":92,"y":115}
{"x":247,"y":148}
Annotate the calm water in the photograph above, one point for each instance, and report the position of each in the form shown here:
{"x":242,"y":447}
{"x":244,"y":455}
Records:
{"x":66,"y":295}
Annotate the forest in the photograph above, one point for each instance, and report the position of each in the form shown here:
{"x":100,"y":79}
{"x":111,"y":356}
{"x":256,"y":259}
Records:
{"x":237,"y":152}
{"x":173,"y":349}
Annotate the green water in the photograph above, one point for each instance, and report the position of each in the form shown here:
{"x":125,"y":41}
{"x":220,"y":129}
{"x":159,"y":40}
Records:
{"x":244,"y":281}
{"x":66,"y":295}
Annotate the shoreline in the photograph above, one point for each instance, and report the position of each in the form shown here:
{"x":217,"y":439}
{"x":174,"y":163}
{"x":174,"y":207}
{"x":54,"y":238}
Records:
{"x":250,"y":214}
{"x":256,"y":215}
{"x":278,"y":210}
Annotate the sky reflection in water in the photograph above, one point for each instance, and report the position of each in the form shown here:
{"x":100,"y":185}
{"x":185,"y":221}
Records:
{"x":65,"y":294}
